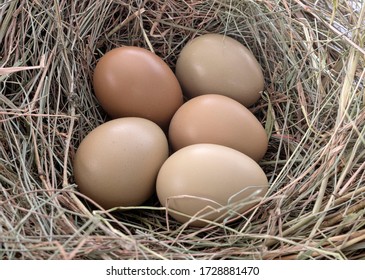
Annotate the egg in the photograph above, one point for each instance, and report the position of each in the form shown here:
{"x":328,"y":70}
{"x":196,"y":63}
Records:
{"x":211,"y":182}
{"x":117,"y":163}
{"x":219,"y":64}
{"x":134,"y":82}
{"x":218,"y":119}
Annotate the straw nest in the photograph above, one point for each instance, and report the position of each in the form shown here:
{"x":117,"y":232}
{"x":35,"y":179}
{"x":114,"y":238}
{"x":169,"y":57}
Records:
{"x":312,"y":55}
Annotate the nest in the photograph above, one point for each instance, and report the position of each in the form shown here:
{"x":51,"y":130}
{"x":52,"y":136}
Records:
{"x":312,"y":54}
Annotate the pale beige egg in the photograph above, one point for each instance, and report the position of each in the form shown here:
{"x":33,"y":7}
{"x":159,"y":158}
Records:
{"x":117,"y":163}
{"x":214,"y":63}
{"x":209,"y":182}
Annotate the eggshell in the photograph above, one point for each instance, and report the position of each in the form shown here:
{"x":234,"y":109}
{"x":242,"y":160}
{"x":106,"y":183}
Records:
{"x":215,"y":63}
{"x":134,"y":82}
{"x":210,"y":181}
{"x":117,"y":163}
{"x":218,"y":119}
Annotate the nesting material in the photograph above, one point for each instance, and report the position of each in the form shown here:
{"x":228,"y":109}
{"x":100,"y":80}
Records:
{"x":312,"y":108}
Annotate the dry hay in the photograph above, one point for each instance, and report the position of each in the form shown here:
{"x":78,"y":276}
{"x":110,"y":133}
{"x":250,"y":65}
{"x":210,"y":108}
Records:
{"x":312,"y":54}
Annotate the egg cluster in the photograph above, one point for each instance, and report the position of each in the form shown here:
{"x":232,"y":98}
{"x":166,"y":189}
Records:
{"x":199,"y":156}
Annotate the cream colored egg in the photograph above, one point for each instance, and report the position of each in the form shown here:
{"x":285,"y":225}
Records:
{"x":211,"y":182}
{"x":218,"y":64}
{"x":117,"y":163}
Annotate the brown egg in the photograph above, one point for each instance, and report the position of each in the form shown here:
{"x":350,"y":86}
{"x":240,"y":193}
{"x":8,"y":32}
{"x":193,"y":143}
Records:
{"x":117,"y":163}
{"x":218,"y":119}
{"x":134,"y":82}
{"x":218,"y":64}
{"x":209,"y":181}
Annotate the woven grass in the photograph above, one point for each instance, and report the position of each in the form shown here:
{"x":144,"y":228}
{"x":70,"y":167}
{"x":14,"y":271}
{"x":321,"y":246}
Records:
{"x":312,"y":54}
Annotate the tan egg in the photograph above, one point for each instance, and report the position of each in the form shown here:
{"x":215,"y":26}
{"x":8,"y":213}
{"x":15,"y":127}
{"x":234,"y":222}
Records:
{"x":208,"y":181}
{"x":215,"y":63}
{"x":117,"y":163}
{"x":218,"y":119}
{"x":134,"y":82}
